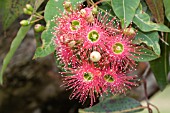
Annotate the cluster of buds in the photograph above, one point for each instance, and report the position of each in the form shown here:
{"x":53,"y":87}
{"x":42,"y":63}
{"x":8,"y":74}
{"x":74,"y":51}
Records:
{"x":95,"y":51}
{"x":28,"y":10}
{"x":35,"y":17}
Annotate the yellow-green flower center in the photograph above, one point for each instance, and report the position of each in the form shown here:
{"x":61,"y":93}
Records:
{"x":74,"y":25}
{"x":88,"y":76}
{"x":118,"y":48}
{"x":93,"y":36}
{"x":108,"y":78}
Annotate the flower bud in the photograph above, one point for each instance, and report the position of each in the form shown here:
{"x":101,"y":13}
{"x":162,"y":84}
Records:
{"x":67,"y":6}
{"x":26,"y":11}
{"x":39,"y":28}
{"x":87,"y":14}
{"x":24,"y":22}
{"x":83,"y":12}
{"x":129,"y":31}
{"x":95,"y":56}
{"x":72,"y":43}
{"x":90,"y":18}
{"x":94,"y":10}
{"x":29,"y":7}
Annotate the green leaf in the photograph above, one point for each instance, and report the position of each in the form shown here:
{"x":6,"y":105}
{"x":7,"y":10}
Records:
{"x":38,"y":39}
{"x":52,"y":10}
{"x":142,"y":20}
{"x":145,"y":55}
{"x":151,"y":39}
{"x":167,"y":8}
{"x":121,"y":104}
{"x":125,"y":10}
{"x":168,"y":50}
{"x":59,"y":63}
{"x":143,"y":5}
{"x":10,"y":10}
{"x":15,"y":44}
{"x":106,"y":8}
{"x":160,"y":67}
{"x":156,"y":8}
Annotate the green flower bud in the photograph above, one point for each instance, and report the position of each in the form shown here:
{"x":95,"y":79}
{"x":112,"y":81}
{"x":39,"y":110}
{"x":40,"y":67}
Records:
{"x":24,"y":22}
{"x":39,"y":28}
{"x":27,"y":12}
{"x":94,"y":10}
{"x":29,"y":7}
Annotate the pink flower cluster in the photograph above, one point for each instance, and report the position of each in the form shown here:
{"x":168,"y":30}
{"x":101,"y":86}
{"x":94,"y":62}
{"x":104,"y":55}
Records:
{"x":95,"y":52}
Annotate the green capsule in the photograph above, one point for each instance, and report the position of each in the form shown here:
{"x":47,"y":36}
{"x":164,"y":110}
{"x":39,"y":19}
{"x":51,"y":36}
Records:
{"x":94,"y":11}
{"x":24,"y":22}
{"x":39,"y":28}
{"x":29,"y":7}
{"x":27,"y":12}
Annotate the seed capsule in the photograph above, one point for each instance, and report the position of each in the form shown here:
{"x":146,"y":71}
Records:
{"x":39,"y":28}
{"x":29,"y":7}
{"x":24,"y":22}
{"x":27,"y":12}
